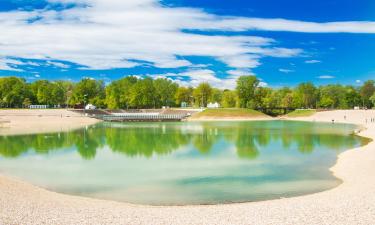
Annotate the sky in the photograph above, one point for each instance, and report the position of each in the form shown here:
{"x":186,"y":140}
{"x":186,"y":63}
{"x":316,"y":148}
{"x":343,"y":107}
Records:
{"x":283,"y":43}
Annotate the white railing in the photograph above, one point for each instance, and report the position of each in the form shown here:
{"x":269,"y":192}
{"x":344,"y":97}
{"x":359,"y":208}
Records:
{"x":143,"y":116}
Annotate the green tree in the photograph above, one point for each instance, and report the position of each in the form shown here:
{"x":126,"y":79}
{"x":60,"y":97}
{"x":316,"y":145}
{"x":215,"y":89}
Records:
{"x":118,"y":93}
{"x":142,"y":94}
{"x":246,"y":86}
{"x":366,"y":91}
{"x":262,"y":98}
{"x":67,"y":87}
{"x":216,"y":95}
{"x":88,"y":91}
{"x":229,"y":99}
{"x":13,"y":91}
{"x":332,"y":96}
{"x":202,"y":94}
{"x":372,"y":99}
{"x":352,"y":97}
{"x":165,"y":91}
{"x":184,"y":94}
{"x":306,"y":95}
{"x":26,"y":102}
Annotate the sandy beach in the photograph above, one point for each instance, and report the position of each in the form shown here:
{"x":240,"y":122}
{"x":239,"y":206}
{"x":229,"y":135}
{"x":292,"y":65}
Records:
{"x":41,"y":121}
{"x":352,"y":202}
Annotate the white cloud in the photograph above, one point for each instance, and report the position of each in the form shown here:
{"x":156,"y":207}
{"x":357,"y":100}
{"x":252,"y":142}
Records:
{"x":313,"y":61}
{"x":241,"y":61}
{"x":358,"y":81}
{"x":263,"y":84}
{"x":242,"y":24}
{"x":239,"y":72}
{"x":109,"y":34}
{"x":193,"y":77}
{"x":10,"y":64}
{"x":58,"y":64}
{"x":105,"y":35}
{"x":286,"y":71}
{"x":326,"y":77}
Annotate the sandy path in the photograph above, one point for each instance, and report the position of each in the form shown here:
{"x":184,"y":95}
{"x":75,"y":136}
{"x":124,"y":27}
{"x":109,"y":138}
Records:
{"x":353,"y":202}
{"x":41,"y":121}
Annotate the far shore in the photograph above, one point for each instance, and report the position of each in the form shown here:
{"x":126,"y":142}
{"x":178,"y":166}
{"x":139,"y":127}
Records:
{"x":260,"y":118}
{"x":23,"y":121}
{"x":229,"y":114}
{"x":352,"y":202}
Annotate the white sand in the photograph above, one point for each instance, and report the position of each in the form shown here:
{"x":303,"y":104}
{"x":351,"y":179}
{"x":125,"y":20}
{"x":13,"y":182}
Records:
{"x":41,"y":121}
{"x":353,"y":202}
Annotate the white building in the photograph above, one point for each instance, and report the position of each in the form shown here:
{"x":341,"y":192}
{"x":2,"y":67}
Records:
{"x":213,"y":105}
{"x":90,"y":106}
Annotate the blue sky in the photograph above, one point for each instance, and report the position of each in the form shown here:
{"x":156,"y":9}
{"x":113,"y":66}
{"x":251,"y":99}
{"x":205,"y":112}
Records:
{"x":190,"y":41}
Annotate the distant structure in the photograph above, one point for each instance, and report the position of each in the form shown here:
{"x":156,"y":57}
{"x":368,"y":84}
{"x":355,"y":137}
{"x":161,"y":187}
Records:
{"x":213,"y":105}
{"x":44,"y":106}
{"x":184,"y":105}
{"x":38,"y":107}
{"x":90,"y":106}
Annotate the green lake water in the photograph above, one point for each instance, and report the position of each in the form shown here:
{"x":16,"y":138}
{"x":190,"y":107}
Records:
{"x":182,"y":163}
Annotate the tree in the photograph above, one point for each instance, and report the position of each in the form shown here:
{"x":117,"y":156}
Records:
{"x":131,"y":92}
{"x":26,"y":102}
{"x":332,"y":96}
{"x":306,"y":95}
{"x":372,"y":99}
{"x":262,"y":98}
{"x":88,"y":91}
{"x":66,"y":88}
{"x":284,"y":97}
{"x":352,"y":97}
{"x":184,"y":94}
{"x":287,"y":101}
{"x":165,"y":90}
{"x":50,"y":93}
{"x":118,"y":93}
{"x":216,"y":95}
{"x":13,"y":91}
{"x":366,"y":91}
{"x":202,"y":93}
{"x":142,"y":94}
{"x":246,"y":86}
{"x":229,"y":99}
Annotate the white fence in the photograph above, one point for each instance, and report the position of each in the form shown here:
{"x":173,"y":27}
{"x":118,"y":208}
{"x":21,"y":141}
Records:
{"x":38,"y":107}
{"x":143,"y":116}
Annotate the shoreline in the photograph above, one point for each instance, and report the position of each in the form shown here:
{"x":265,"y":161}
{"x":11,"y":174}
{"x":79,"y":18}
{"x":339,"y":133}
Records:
{"x":210,"y":119}
{"x":37,"y":121}
{"x":352,"y":202}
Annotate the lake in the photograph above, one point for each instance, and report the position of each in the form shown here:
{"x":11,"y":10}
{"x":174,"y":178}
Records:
{"x":182,"y":163}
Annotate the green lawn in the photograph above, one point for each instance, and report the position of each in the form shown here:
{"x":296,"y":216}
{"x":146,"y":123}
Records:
{"x":232,"y":112}
{"x":302,"y":113}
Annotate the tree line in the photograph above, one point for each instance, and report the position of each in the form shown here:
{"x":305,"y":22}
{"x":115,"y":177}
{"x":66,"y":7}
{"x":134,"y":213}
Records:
{"x":134,"y":93}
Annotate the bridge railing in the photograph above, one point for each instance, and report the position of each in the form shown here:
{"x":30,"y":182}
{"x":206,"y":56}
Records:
{"x":145,"y":117}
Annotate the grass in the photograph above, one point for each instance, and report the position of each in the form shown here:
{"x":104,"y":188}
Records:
{"x":302,"y":113}
{"x":226,"y":113}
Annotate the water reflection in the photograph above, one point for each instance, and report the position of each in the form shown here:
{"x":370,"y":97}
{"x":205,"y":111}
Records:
{"x":147,"y":140}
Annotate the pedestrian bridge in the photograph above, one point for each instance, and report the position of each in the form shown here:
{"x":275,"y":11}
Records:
{"x":123,"y":117}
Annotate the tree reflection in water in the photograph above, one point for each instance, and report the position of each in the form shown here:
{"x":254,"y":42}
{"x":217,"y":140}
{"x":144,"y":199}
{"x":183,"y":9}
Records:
{"x":149,"y":139}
